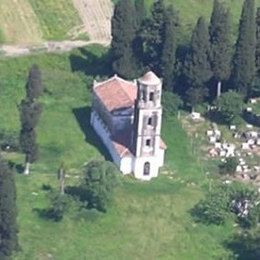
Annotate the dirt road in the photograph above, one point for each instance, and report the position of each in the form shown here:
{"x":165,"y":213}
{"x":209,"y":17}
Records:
{"x":52,"y":46}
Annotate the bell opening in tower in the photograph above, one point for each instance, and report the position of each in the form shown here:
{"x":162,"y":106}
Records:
{"x":151,"y":96}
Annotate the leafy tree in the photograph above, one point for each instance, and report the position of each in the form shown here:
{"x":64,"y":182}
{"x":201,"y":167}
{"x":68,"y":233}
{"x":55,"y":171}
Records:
{"x":169,"y":47}
{"x":197,"y":66}
{"x":220,"y":40}
{"x":230,"y":105}
{"x":124,"y":33}
{"x":8,"y":212}
{"x":171,"y":103}
{"x":34,"y":87}
{"x":244,"y":59}
{"x":30,"y":112}
{"x":101,"y":178}
{"x":153,"y":36}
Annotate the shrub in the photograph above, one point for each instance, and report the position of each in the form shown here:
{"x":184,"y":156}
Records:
{"x":226,"y":201}
{"x":230,"y":105}
{"x":229,"y":167}
{"x":9,"y":141}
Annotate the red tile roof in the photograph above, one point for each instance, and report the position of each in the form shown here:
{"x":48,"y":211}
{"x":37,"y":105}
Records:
{"x":116,"y":93}
{"x":163,"y":145}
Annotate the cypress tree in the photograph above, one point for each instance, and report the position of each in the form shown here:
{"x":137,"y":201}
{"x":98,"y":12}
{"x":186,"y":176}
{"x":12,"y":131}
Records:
{"x":197,"y":66}
{"x":123,"y":33}
{"x":34,"y":88}
{"x":8,"y":212}
{"x":153,"y":34}
{"x":169,"y":47}
{"x":140,"y":13}
{"x":244,"y":58}
{"x":220,"y":31}
{"x":30,"y":112}
{"x":258,"y":42}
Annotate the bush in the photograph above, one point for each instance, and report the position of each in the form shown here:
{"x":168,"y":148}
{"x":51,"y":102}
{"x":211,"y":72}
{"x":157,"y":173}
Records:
{"x":9,"y":141}
{"x":60,"y":204}
{"x":226,"y":201}
{"x":213,"y":209}
{"x":230,"y":105}
{"x":229,"y":167}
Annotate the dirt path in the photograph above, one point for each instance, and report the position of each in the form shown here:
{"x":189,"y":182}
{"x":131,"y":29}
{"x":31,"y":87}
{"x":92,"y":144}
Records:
{"x":96,"y":16}
{"x":52,"y":46}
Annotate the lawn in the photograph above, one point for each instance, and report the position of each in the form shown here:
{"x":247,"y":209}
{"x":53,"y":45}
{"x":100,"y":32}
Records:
{"x":147,"y":220}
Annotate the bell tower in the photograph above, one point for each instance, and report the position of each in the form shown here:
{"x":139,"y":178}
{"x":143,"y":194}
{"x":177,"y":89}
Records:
{"x":148,"y":117}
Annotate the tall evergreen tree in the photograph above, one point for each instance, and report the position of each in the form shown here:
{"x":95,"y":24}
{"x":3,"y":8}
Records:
{"x":221,"y":46}
{"x":30,"y":112}
{"x":34,"y":87}
{"x":258,"y":41}
{"x":169,"y":47}
{"x":8,"y":212}
{"x":123,"y":33}
{"x":153,"y":35}
{"x":197,"y":65}
{"x":244,"y":58}
{"x":140,"y":13}
{"x":258,"y":50}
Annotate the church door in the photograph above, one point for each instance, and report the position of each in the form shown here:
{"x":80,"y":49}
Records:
{"x":146,"y":168}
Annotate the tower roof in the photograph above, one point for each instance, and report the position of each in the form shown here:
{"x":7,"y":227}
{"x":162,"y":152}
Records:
{"x":149,"y":78}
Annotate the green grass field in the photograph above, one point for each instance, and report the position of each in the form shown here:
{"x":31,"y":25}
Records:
{"x":31,"y":21}
{"x":146,"y":221}
{"x":190,"y":10}
{"x":56,"y":18}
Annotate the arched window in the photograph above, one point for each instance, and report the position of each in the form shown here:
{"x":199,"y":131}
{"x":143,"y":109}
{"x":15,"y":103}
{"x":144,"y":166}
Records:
{"x":146,"y":168}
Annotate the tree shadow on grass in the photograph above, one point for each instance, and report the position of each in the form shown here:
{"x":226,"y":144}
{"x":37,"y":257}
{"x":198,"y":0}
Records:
{"x":91,"y":63}
{"x":244,"y":247}
{"x":82,"y":115}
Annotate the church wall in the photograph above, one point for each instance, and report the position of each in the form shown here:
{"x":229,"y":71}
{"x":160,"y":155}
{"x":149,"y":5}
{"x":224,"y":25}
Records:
{"x":138,"y":167}
{"x":121,"y":122}
{"x":102,"y":112}
{"x":104,"y":134}
{"x":126,"y":165}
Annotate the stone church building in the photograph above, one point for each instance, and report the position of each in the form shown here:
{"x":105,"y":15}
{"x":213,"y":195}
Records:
{"x":127,"y":117}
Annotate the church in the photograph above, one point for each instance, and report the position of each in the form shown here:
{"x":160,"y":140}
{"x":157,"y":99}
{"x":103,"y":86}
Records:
{"x":127,"y":117}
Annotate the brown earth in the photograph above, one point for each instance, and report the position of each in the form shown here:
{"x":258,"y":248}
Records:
{"x":96,"y":16}
{"x":18,"y":22}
